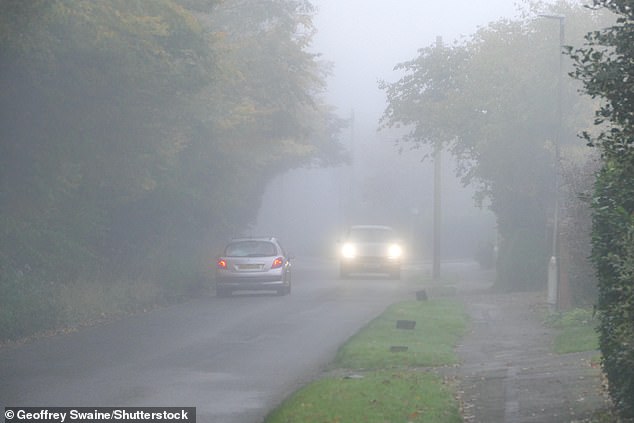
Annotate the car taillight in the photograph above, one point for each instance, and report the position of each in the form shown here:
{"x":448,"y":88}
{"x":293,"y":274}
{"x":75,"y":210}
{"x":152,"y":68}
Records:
{"x":221,"y":264}
{"x":277,"y":263}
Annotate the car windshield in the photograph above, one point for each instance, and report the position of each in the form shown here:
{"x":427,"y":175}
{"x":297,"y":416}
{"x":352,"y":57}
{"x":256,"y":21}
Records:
{"x":250,"y":249}
{"x":371,"y":234}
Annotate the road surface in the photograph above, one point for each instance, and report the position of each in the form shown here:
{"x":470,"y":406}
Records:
{"x":234,"y":359}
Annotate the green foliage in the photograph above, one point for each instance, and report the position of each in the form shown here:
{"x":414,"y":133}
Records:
{"x":520,"y":262}
{"x":138,"y":134}
{"x":606,"y":67}
{"x":490,"y":101}
{"x":576,"y":228}
{"x":613,"y":255}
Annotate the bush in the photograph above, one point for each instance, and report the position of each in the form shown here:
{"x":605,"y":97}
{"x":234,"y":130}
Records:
{"x":605,"y":65}
{"x":578,"y":177}
{"x":522,"y":261}
{"x":613,"y":254}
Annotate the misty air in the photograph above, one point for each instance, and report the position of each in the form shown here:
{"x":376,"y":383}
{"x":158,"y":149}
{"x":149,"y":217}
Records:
{"x":267,"y":211}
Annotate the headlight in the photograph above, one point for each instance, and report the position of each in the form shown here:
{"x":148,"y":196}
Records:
{"x":394,"y":251}
{"x":348,"y":250}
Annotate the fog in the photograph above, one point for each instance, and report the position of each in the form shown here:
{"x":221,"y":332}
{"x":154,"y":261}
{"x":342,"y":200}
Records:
{"x":363,"y":41}
{"x":137,"y":137}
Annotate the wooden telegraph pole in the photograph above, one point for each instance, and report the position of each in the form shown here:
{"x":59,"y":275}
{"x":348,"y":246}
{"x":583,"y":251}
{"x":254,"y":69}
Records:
{"x":437,"y":198}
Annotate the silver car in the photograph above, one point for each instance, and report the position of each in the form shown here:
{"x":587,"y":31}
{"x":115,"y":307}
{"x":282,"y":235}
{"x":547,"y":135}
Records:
{"x":253,"y":264}
{"x":371,"y":249}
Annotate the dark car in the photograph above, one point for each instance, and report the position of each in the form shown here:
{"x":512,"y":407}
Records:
{"x":253,"y":264}
{"x":371,"y":249}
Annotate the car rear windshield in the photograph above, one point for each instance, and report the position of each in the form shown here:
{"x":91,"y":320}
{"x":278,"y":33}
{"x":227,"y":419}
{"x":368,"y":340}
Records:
{"x":251,"y":249}
{"x":371,"y":234}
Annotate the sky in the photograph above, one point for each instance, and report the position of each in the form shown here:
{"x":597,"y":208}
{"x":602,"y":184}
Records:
{"x":365,"y":39}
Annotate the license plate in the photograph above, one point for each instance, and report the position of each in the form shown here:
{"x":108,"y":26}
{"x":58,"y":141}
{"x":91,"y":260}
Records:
{"x":249,"y":267}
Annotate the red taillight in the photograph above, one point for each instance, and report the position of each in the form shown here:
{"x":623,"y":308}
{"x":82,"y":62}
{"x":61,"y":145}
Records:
{"x":277,"y":263}
{"x":221,"y":264}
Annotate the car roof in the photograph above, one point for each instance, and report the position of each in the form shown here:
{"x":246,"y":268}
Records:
{"x":260,"y":238}
{"x":371,"y":227}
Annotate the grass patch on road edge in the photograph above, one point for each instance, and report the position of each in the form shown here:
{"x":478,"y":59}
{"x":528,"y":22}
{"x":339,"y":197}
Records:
{"x":380,"y":396}
{"x":576,"y":331}
{"x":387,"y":385}
{"x":439,"y":325}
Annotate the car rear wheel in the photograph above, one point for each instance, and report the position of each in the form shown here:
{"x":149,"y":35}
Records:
{"x":286,"y":290}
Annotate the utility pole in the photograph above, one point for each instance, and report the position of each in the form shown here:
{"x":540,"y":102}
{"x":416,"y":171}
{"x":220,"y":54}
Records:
{"x":352,"y":175}
{"x":437,"y":198}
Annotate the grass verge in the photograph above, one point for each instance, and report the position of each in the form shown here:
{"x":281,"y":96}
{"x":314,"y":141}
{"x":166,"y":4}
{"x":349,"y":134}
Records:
{"x":439,"y":325}
{"x":30,"y":308}
{"x":386,"y":385}
{"x":576,"y":331}
{"x":378,"y":397}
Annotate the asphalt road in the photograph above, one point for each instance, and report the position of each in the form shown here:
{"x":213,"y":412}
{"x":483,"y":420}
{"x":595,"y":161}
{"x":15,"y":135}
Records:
{"x":234,"y":359}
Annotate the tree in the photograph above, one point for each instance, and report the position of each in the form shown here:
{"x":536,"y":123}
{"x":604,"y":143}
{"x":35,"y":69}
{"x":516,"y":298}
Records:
{"x":489,"y":100}
{"x":137,"y":134}
{"x":90,"y":94}
{"x":605,"y":65}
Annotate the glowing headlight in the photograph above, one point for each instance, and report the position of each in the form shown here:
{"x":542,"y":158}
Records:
{"x":394,"y":251}
{"x":348,"y":250}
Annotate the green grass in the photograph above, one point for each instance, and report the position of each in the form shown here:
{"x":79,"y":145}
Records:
{"x":378,"y":397}
{"x":439,"y":325}
{"x":390,"y":386}
{"x":576,"y":331}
